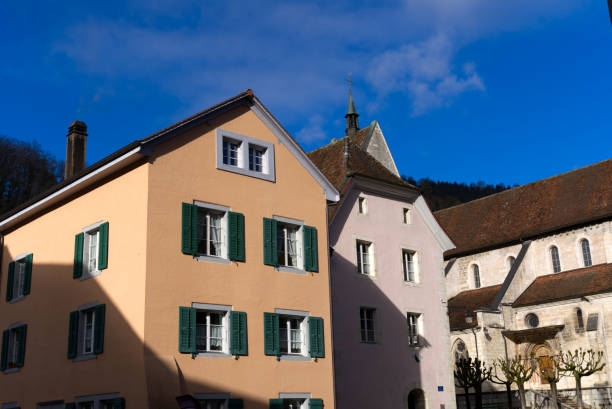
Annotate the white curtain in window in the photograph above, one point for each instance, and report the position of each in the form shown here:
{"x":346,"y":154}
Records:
{"x":291,"y":247}
{"x":215,"y":235}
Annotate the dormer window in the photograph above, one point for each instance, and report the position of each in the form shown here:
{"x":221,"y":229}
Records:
{"x":245,"y":155}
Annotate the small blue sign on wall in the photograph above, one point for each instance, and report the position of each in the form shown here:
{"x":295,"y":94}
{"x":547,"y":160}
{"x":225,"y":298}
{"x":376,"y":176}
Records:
{"x":440,"y":388}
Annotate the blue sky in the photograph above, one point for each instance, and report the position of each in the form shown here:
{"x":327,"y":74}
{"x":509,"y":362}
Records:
{"x":465,"y":90}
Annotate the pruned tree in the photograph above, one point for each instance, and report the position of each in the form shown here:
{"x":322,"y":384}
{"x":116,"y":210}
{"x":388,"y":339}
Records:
{"x":549,"y":370}
{"x":579,"y":364}
{"x":472,"y":373}
{"x":498,"y":377}
{"x":518,"y":371}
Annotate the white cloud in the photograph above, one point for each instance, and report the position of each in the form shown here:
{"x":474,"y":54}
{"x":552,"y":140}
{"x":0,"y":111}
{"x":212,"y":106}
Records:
{"x":313,"y":132}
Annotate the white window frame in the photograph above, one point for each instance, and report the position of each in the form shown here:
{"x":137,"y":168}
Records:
{"x":304,"y":355}
{"x":95,"y":399}
{"x":359,"y":253}
{"x":223,"y":258}
{"x":87,"y":233}
{"x":81,"y":354}
{"x":216,"y":308}
{"x":374,"y":329}
{"x":296,"y":396}
{"x":362,"y":205}
{"x":213,"y":396}
{"x":415,"y":323}
{"x":406,"y":215}
{"x":245,"y":143}
{"x":415,"y":266}
{"x":19,"y":278}
{"x":299,"y":244}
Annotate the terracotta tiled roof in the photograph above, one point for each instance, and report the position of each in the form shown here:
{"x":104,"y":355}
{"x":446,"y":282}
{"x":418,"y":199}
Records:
{"x":337,"y":167}
{"x":470,"y":300}
{"x":566,"y":285}
{"x":362,"y":136}
{"x":578,"y":197}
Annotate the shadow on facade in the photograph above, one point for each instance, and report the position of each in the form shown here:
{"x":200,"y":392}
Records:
{"x":126,"y":366}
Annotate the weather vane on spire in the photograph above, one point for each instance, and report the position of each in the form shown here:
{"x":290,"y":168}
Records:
{"x":349,"y":81}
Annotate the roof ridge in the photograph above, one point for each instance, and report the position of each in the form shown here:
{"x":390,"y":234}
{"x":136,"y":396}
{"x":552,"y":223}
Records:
{"x":524,"y":186}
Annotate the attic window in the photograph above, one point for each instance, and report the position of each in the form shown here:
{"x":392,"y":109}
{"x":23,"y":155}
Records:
{"x":363,"y":205}
{"x":245,"y":155}
{"x":406,"y":216}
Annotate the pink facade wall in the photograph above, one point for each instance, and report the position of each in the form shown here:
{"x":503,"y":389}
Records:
{"x":382,"y":374}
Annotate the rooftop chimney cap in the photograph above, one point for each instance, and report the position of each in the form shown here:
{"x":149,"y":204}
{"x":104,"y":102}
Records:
{"x":78,"y":127}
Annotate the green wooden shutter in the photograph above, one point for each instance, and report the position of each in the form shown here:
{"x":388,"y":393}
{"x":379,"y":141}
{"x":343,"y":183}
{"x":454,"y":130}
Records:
{"x":103,"y":247}
{"x":317,"y":341}
{"x":189,"y":237}
{"x":276,"y":404}
{"x":73,"y":333}
{"x":238,"y":331}
{"x":187,"y":326}
{"x":21,"y":336}
{"x":99,"y":317}
{"x":77,"y":269}
{"x":235,"y":404}
{"x":119,"y":403}
{"x":311,"y":257}
{"x":9,"y":281}
{"x":70,"y":405}
{"x":269,"y":241}
{"x":27,"y":280}
{"x":271,"y":336}
{"x":236,"y":236}
{"x":5,"y":342}
{"x":315,"y":403}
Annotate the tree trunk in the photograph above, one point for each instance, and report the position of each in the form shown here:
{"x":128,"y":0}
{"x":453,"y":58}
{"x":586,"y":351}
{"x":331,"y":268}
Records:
{"x":578,"y":393}
{"x":467,"y":398}
{"x":521,"y":389}
{"x":509,"y":395}
{"x":553,"y":395}
{"x":478,"y":390}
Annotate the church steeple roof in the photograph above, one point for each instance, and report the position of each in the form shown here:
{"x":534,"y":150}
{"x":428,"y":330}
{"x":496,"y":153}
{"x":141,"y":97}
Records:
{"x":352,"y":124}
{"x":351,"y":105}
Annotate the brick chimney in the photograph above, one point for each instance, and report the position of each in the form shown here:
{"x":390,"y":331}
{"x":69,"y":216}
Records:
{"x":75,"y":148}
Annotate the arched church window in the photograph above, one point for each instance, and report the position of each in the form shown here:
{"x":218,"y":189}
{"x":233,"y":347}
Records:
{"x":460,"y":351}
{"x":554,"y":256}
{"x":579,"y":320}
{"x":476,"y":272}
{"x":586,"y":252}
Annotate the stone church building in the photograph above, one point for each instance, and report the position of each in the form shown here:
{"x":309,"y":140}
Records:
{"x":531,"y":275}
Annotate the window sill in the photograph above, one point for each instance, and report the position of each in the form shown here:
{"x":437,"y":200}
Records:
{"x":11,"y":370}
{"x":296,"y":358}
{"x":293,"y":270}
{"x":246,"y":172}
{"x":370,"y":276}
{"x":87,"y":357}
{"x":212,"y":355}
{"x":369,"y":343}
{"x":87,"y":276}
{"x":212,"y":259}
{"x":411,"y":283}
{"x":17,"y":299}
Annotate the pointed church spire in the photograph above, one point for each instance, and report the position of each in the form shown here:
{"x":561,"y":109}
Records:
{"x":352,"y":124}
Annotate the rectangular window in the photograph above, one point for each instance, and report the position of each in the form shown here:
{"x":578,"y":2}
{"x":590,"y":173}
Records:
{"x":87,"y":334}
{"x":212,"y":403}
{"x":410,"y":267}
{"x":245,"y":155}
{"x":211,"y":331}
{"x":368,"y":331}
{"x":19,"y":278}
{"x":291,"y":334}
{"x":364,"y":257}
{"x":362,"y":205}
{"x":230,"y":152}
{"x":107,"y":401}
{"x":86,"y":405}
{"x":413,"y":328}
{"x":256,"y":156}
{"x":406,"y":216}
{"x":289,"y":245}
{"x":91,"y":252}
{"x":294,"y":403}
{"x":13,"y":348}
{"x":212,"y":232}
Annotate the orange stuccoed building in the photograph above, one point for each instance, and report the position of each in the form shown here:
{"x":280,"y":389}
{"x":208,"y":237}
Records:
{"x":191,"y":263}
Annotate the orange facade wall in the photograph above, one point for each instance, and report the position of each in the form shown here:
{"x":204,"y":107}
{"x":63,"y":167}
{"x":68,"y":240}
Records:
{"x":48,"y":374}
{"x":184,"y":170}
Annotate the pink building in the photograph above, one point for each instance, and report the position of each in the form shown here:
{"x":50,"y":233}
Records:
{"x":390,"y":327}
